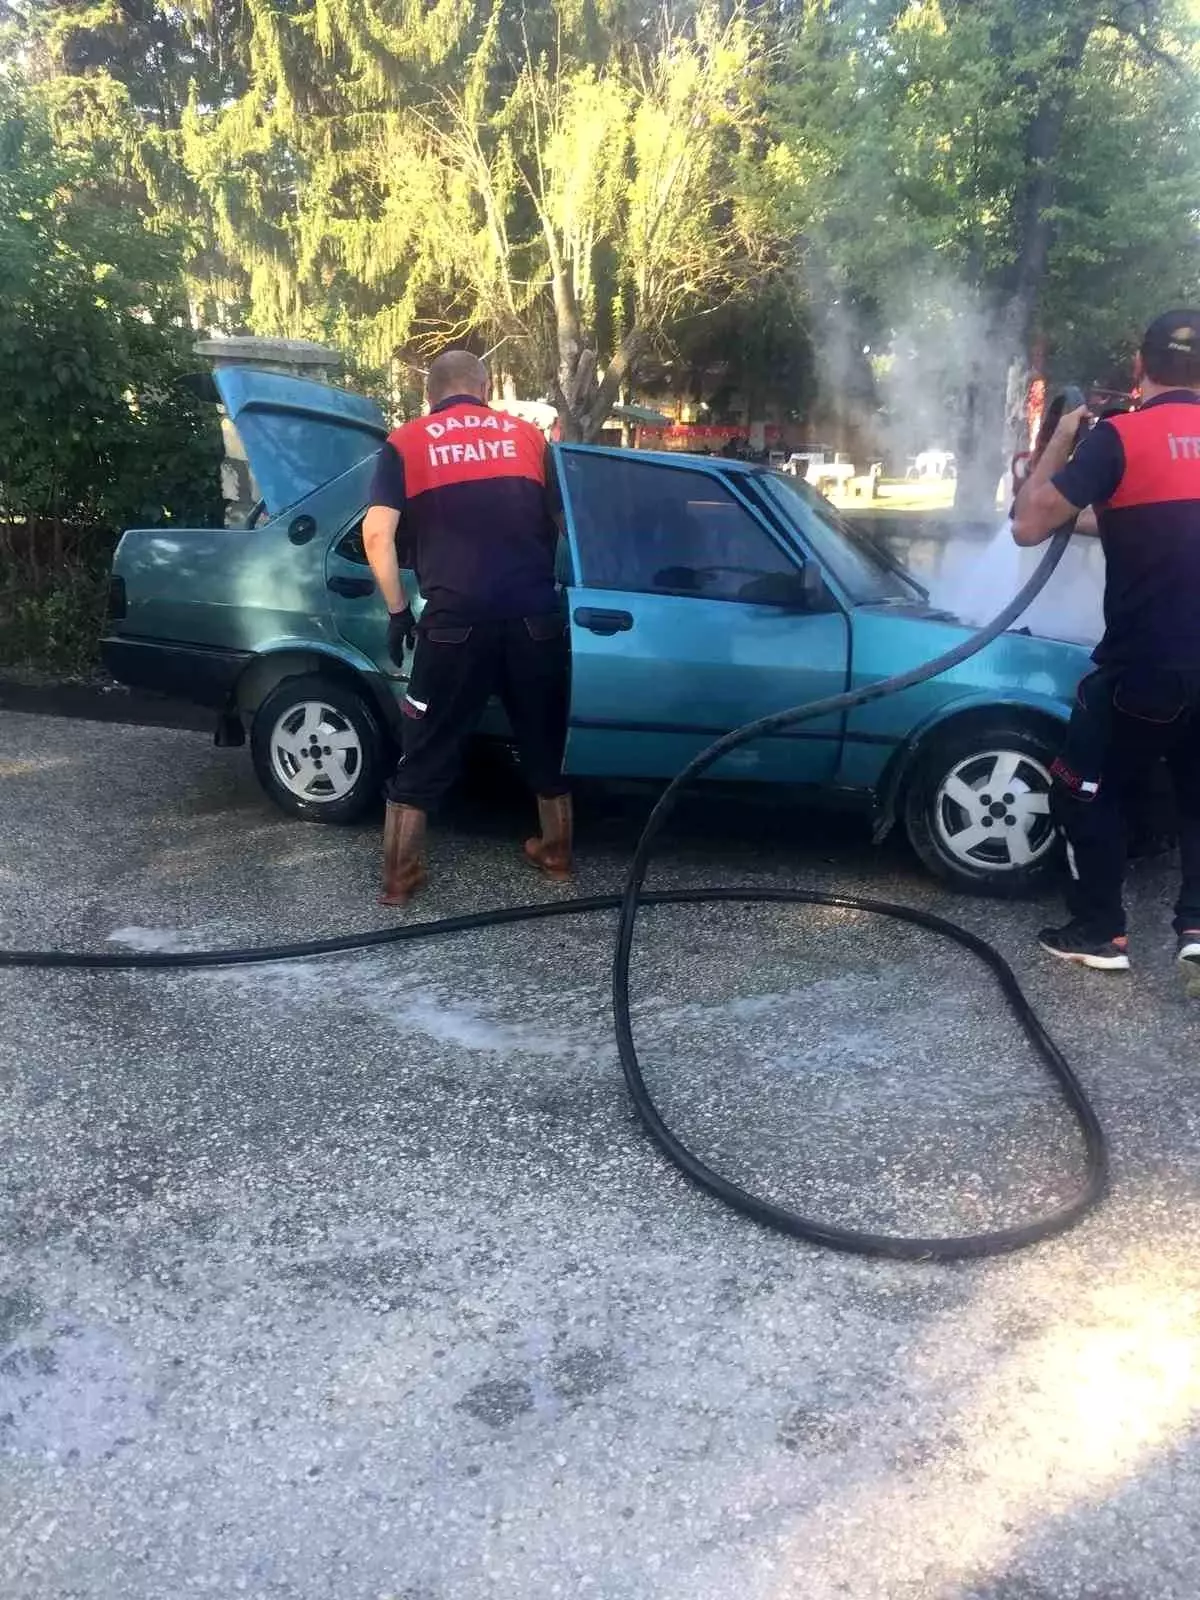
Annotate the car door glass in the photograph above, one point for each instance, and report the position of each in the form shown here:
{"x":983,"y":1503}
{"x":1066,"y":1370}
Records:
{"x":654,"y":529}
{"x":350,"y":546}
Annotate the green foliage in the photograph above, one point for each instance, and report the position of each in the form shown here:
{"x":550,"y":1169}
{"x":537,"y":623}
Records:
{"x":95,"y":433}
{"x":1001,"y":185}
{"x":577,"y":212}
{"x":53,"y":626}
{"x":755,"y":349}
{"x":568,"y":179}
{"x":592,"y":184}
{"x":1127,"y":207}
{"x":93,"y":428}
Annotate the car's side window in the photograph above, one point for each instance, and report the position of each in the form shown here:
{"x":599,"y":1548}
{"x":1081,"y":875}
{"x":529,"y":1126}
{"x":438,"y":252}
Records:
{"x":350,"y":546}
{"x":653,"y":529}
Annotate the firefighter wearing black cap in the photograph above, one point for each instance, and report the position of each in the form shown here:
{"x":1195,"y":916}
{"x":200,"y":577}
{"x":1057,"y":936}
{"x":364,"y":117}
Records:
{"x":1140,"y":474}
{"x":468,"y":494}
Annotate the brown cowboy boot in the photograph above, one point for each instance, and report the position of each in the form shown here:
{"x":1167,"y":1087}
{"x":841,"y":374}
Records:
{"x":403,"y":854}
{"x":551,"y":853}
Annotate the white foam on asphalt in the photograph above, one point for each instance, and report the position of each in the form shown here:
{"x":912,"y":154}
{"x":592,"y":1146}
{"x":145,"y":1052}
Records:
{"x":76,"y":1397}
{"x":430,"y":1013}
{"x":146,"y":941}
{"x":413,"y":1005}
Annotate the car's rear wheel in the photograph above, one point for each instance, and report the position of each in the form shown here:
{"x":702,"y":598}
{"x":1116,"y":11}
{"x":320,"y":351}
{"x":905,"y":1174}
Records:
{"x":977,"y":809}
{"x":318,"y":749}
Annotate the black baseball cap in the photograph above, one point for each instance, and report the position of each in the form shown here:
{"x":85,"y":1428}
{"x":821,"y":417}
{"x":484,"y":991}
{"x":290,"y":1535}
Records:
{"x":1174,"y":333}
{"x":1171,"y":349}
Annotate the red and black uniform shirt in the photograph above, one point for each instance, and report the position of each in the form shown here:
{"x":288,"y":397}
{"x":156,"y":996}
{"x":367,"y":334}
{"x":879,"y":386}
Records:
{"x":1141,"y":471}
{"x":478,"y":505}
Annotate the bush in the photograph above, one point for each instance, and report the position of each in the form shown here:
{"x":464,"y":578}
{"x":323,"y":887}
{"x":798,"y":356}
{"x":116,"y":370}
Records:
{"x":55,"y":628}
{"x":96,"y":432}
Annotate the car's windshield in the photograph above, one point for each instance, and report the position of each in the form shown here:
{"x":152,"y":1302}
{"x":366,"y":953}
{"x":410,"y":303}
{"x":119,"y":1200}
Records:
{"x":850,"y":556}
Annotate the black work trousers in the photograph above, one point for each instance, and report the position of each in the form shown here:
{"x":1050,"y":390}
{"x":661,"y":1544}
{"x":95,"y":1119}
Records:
{"x":457,"y":668}
{"x":1125,"y":722}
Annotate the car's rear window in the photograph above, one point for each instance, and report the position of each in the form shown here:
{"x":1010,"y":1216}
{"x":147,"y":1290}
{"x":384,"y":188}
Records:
{"x":293,"y":454}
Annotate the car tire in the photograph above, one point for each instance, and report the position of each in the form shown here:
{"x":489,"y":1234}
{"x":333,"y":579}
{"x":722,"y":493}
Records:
{"x":318,"y":749}
{"x":983,"y":842}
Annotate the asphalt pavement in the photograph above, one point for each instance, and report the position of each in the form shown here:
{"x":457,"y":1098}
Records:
{"x":354,"y":1278}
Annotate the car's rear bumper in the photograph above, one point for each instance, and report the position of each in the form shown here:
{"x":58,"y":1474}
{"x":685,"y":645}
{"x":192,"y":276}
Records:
{"x":201,"y":674}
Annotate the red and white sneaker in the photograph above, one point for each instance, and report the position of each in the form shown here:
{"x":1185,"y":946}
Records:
{"x":1075,"y":943}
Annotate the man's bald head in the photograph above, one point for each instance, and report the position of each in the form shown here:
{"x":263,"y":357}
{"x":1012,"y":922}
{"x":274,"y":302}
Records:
{"x":456,"y":372}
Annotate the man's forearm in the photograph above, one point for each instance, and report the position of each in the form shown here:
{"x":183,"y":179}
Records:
{"x":379,"y":542}
{"x":387,"y":576}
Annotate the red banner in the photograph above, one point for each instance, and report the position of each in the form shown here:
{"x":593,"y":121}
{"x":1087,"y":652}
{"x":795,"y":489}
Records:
{"x":697,"y":430}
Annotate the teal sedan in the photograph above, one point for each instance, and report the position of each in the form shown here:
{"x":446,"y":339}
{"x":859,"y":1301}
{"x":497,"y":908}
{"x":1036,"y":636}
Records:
{"x":702,"y":593}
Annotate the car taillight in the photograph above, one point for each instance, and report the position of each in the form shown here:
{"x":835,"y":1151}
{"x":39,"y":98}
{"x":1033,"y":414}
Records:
{"x":116,"y":599}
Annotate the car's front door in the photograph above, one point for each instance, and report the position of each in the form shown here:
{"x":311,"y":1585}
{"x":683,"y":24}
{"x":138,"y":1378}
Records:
{"x":669,"y":646}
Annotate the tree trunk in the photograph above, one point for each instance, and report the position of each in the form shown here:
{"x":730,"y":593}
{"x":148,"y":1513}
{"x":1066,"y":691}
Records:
{"x":987,"y":434}
{"x":1043,"y":148}
{"x":992,"y":428}
{"x":979,"y":448}
{"x":569,"y":429}
{"x":583,"y":403}
{"x":618,"y":373}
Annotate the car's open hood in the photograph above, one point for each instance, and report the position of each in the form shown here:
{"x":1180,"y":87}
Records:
{"x":297,"y":434}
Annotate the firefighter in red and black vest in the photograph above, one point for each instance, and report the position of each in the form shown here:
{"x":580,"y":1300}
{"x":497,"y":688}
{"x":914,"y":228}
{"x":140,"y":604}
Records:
{"x":1136,"y":479}
{"x":466,"y":497}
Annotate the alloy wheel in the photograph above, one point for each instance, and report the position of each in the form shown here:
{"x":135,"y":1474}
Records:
{"x":316,"y":752}
{"x":992,"y":811}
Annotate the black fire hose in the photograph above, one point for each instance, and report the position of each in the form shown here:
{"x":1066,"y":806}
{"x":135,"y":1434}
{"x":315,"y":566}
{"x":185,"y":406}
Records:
{"x":631,"y":900}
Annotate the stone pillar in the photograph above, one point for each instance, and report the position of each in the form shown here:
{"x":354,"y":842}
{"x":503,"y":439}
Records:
{"x":297,"y":358}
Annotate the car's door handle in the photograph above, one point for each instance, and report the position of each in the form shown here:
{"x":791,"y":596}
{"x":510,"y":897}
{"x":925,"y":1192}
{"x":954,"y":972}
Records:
{"x":601,"y":621}
{"x":352,"y":588}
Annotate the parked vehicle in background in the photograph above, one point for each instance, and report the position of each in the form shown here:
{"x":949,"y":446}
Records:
{"x":827,"y":470}
{"x":702,"y":593}
{"x":798,"y":463}
{"x":932,"y":466}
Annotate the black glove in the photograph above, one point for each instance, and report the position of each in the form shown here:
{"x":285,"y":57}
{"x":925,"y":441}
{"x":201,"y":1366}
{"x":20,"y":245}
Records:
{"x":401,"y":634}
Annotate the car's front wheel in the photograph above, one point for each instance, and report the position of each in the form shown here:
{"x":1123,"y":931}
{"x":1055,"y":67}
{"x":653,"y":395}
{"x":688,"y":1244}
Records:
{"x":977,"y":809}
{"x":318,"y":749}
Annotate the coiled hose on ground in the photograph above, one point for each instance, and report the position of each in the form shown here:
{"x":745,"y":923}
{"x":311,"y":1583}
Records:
{"x":633,"y":898}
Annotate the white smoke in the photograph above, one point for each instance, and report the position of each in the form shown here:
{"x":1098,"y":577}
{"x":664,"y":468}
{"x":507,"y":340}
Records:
{"x":975,"y":581}
{"x":937,"y":340}
{"x":901,"y":369}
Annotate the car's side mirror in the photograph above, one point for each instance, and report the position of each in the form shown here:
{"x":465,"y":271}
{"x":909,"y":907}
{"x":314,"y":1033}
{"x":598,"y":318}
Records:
{"x":791,"y":591}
